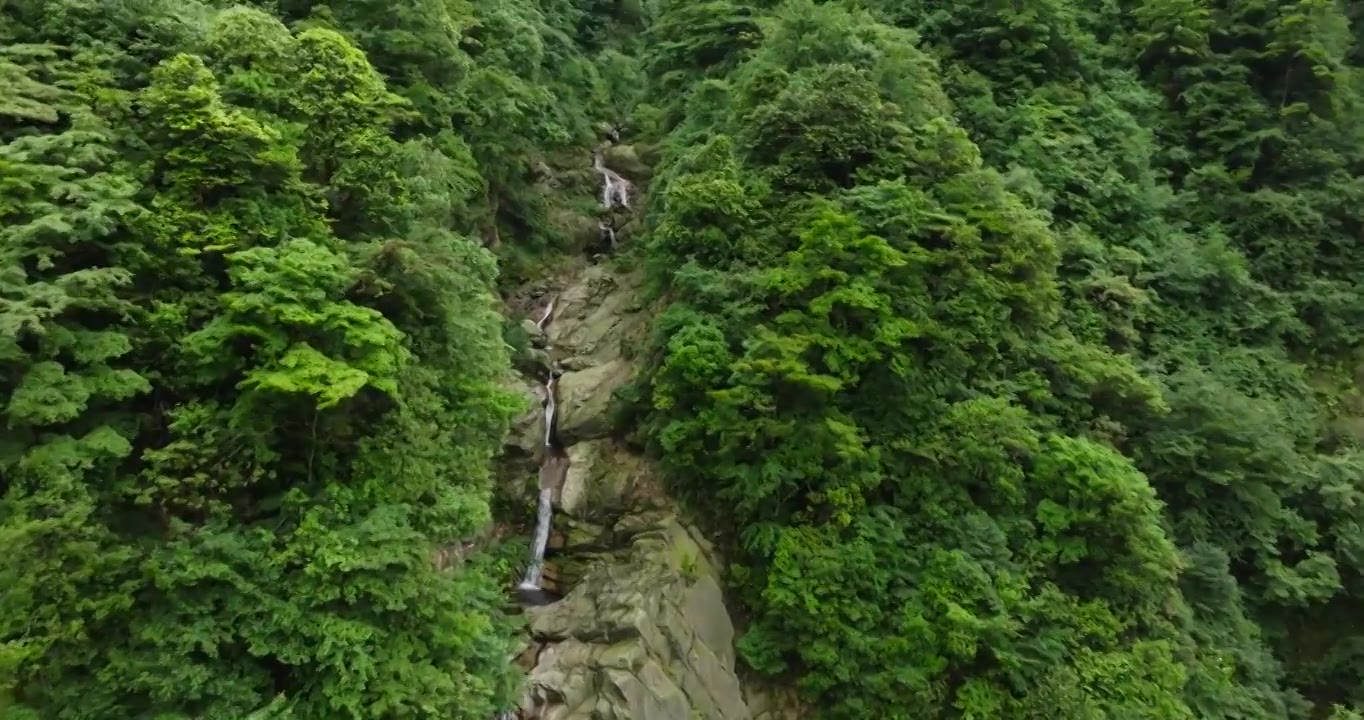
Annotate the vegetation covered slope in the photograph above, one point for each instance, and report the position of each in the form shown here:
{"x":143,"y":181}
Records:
{"x":250,"y":351}
{"x":1016,"y":341}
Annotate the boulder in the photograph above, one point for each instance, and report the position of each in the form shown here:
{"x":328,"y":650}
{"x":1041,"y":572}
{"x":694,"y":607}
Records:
{"x":535,"y":337}
{"x":605,"y":129}
{"x":585,"y":399}
{"x":576,"y":536}
{"x":577,"y":362}
{"x":527,"y":434}
{"x":598,"y":317}
{"x":595,"y":485}
{"x":643,"y":634}
{"x":534,"y":362}
{"x":624,"y":159}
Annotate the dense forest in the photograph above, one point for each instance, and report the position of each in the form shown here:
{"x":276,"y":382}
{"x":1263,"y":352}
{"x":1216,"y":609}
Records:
{"x":1011,"y":349}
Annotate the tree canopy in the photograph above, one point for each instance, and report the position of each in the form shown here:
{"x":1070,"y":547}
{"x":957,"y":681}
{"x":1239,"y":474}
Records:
{"x":1010,"y":349}
{"x":252,"y":364}
{"x":1017,"y":345}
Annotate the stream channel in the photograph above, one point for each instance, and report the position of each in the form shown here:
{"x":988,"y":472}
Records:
{"x":615,"y":193}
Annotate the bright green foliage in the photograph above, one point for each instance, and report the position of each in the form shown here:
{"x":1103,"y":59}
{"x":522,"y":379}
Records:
{"x":851,"y":402}
{"x":689,"y":40}
{"x":65,"y":373}
{"x":250,"y":385}
{"x":1224,"y":244}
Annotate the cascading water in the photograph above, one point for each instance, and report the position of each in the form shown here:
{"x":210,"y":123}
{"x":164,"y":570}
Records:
{"x":551,"y":405}
{"x":615,"y":193}
{"x":549,"y":313}
{"x":615,"y":190}
{"x":608,"y":233}
{"x":554,"y":465}
{"x":544,"y":512}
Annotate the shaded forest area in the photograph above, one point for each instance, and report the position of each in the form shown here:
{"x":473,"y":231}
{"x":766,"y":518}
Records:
{"x":1011,"y":346}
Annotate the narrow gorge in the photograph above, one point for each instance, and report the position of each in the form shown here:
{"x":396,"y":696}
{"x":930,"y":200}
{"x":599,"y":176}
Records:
{"x":622,"y":595}
{"x":554,"y":464}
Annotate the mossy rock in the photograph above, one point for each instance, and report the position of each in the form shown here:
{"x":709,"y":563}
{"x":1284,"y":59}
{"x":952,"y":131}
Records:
{"x":625,"y":160}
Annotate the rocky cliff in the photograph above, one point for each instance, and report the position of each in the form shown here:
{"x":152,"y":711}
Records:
{"x":639,"y":629}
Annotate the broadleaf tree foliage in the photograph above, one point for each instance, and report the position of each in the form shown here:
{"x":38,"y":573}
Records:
{"x":1012,"y":348}
{"x":1017,"y":343}
{"x":252,"y":363}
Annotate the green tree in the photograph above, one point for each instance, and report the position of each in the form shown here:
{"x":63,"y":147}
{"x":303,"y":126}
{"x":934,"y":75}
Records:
{"x":254,"y":389}
{"x":67,"y":380}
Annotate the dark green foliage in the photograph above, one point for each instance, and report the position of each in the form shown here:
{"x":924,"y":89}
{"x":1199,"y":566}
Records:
{"x":1014,"y":344}
{"x":997,"y":349}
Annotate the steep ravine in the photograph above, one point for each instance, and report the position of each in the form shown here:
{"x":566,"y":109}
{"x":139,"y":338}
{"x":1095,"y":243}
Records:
{"x":623,"y":596}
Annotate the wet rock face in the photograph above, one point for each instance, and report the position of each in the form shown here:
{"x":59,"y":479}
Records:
{"x":598,"y":316}
{"x":585,"y":400}
{"x":592,"y":484}
{"x":597,"y":319}
{"x":643,"y":634}
{"x":605,"y":481}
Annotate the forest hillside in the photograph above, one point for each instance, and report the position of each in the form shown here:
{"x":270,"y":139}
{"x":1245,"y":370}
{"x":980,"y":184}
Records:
{"x":1008,"y":352}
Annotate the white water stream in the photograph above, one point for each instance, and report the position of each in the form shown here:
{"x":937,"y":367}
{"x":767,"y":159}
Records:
{"x":615,"y":190}
{"x":544,"y":511}
{"x":550,"y":407}
{"x":615,"y":193}
{"x":607,"y":232}
{"x":549,"y":314}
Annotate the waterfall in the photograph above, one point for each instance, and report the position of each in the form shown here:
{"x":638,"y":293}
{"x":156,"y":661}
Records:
{"x":544,"y":513}
{"x":550,"y":406}
{"x":615,"y":193}
{"x":549,"y":314}
{"x":615,"y":190}
{"x":607,"y":232}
